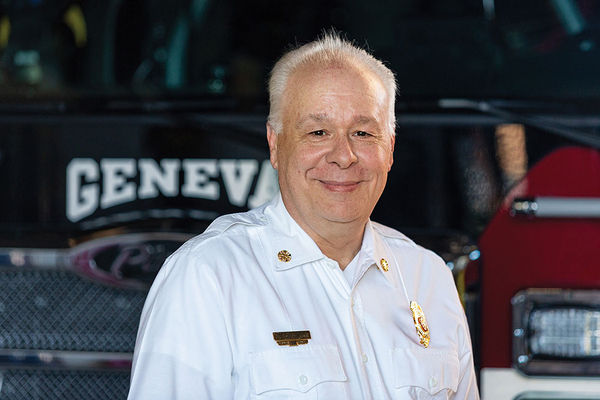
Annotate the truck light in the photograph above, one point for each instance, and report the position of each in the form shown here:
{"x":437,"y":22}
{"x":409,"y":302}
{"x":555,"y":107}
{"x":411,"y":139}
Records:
{"x":565,"y":332}
{"x":556,"y":332}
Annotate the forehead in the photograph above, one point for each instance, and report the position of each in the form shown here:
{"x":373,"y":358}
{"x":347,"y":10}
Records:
{"x":316,"y":82}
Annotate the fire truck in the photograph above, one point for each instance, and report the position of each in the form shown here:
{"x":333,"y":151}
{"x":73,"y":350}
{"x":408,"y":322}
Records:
{"x":534,"y":299}
{"x":127,"y":126}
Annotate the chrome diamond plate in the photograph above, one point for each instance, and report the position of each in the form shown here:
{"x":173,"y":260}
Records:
{"x":57,"y":310}
{"x":63,"y":385}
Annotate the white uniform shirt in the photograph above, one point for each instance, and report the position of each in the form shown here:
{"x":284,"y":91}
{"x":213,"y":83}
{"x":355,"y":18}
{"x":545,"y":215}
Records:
{"x":206,"y":330}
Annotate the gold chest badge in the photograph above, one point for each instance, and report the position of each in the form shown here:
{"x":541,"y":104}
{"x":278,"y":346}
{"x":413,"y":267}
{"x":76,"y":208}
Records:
{"x":420,"y":323}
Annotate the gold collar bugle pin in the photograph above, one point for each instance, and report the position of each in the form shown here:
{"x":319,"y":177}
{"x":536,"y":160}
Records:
{"x":420,"y":323}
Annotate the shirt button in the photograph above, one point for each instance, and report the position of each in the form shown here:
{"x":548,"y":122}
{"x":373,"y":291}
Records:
{"x":331,"y":265}
{"x":365,"y":358}
{"x":302,"y":379}
{"x":352,"y":301}
{"x":432,"y":382}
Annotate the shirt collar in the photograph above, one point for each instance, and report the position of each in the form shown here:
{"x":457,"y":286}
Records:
{"x":382,"y":257}
{"x":372,"y":254}
{"x":288,"y":236}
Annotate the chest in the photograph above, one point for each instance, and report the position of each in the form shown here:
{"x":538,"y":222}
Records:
{"x":357,"y":334}
{"x":317,"y":299}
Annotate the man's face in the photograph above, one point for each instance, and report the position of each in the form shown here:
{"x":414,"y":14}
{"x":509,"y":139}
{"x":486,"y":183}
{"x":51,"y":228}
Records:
{"x":335,"y":150}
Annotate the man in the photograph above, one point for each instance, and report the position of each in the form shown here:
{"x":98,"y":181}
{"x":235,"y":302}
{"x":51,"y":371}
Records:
{"x":305,"y":297}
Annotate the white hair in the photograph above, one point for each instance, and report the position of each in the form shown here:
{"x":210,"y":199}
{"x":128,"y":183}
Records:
{"x":326,"y":50}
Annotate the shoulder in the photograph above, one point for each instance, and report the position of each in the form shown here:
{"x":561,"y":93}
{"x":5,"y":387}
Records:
{"x":227,"y":228}
{"x":392,"y":234}
{"x":229,"y":224}
{"x":225,"y":234}
{"x":217,"y":253}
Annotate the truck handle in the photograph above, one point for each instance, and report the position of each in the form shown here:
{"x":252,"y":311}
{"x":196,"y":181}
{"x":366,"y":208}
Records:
{"x":557,"y":207}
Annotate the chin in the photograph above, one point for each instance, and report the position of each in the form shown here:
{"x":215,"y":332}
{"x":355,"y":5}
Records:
{"x":343,"y":216}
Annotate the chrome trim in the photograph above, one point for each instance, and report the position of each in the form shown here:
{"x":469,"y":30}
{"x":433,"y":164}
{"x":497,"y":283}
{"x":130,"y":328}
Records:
{"x":140,"y":254}
{"x":523,"y":304}
{"x":523,"y":207}
{"x":557,"y":207}
{"x":539,"y":395}
{"x":509,"y":384}
{"x":47,"y":259}
{"x":64,"y":360}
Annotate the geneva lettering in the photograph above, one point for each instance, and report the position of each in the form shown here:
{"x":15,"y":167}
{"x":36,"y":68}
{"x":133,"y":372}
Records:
{"x":113,"y":181}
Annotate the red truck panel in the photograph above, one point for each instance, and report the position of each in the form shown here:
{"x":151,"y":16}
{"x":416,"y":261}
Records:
{"x":525,"y":252}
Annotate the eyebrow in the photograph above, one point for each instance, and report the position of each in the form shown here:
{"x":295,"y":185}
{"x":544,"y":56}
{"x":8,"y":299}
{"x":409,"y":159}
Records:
{"x":363,"y":120}
{"x":358,"y":120}
{"x":312,"y":118}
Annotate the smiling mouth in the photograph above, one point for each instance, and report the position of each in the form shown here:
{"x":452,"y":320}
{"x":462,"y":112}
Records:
{"x":343,"y":187}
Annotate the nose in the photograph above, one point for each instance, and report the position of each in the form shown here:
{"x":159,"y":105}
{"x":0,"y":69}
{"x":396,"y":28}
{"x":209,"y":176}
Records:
{"x":342,"y":152}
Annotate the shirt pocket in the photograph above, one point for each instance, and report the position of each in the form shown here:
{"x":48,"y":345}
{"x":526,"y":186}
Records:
{"x":303,"y":372}
{"x":425,"y":373}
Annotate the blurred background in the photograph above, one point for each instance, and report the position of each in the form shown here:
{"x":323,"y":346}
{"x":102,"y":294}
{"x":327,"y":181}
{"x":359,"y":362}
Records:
{"x":127,"y":126}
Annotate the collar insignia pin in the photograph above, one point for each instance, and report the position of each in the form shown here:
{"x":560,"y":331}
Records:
{"x":420,"y":323}
{"x":384,"y":264}
{"x":292,"y":338}
{"x":284,"y":256}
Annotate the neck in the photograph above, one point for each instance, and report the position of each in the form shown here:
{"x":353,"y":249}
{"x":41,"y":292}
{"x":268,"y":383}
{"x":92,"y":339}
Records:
{"x":338,"y":241}
{"x":341,"y":250}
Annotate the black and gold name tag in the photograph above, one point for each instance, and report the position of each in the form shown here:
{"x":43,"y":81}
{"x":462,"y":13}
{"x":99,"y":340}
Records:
{"x":292,"y":338}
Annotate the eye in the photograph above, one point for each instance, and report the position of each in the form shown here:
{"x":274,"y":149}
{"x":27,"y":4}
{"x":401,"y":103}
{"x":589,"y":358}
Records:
{"x":362,"y":133}
{"x":317,"y":133}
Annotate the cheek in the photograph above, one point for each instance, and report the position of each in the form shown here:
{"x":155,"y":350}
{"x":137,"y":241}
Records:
{"x":376,"y":160}
{"x":386,"y":158}
{"x":306,"y":160}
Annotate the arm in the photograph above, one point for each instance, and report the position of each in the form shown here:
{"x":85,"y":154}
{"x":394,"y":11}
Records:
{"x":182,"y":349}
{"x":467,"y":385}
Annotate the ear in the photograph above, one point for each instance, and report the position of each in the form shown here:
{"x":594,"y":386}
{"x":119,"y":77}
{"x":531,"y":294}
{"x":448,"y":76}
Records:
{"x":392,"y":152}
{"x":272,"y":139}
